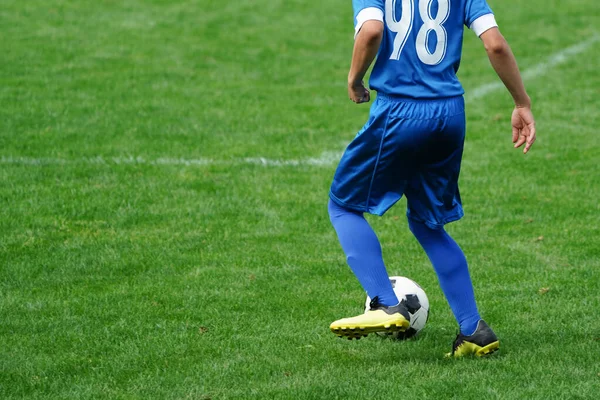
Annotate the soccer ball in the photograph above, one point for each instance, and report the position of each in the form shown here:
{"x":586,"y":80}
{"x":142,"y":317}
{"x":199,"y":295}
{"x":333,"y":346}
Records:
{"x":414,"y":298}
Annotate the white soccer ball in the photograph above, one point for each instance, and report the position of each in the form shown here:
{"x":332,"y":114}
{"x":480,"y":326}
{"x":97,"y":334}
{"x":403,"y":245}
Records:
{"x":414,"y":298}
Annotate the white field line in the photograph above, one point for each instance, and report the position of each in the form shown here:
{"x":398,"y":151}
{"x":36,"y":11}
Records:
{"x":327,"y":158}
{"x":538,"y":69}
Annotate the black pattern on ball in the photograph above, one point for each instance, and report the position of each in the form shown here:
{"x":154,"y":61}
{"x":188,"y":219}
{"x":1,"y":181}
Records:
{"x":411,"y":303}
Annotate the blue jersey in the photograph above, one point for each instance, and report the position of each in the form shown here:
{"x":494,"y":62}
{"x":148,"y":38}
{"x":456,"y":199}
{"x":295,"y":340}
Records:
{"x":422,"y":43}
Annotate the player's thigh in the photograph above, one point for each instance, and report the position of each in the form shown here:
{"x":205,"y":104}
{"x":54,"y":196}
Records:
{"x":354,"y":174}
{"x":398,"y":161}
{"x":432,"y":194}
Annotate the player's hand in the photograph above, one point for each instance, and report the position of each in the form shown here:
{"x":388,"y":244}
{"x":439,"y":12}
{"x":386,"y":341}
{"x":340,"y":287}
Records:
{"x":358,"y":93}
{"x":523,"y":127}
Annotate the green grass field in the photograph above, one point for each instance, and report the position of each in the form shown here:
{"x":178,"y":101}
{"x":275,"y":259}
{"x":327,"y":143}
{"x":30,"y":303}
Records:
{"x":164,"y":169}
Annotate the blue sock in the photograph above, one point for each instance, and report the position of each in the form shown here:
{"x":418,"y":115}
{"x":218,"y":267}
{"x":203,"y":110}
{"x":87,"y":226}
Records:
{"x":363,"y":252}
{"x":451,"y":268}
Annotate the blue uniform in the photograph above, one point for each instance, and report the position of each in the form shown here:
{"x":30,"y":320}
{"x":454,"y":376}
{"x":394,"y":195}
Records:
{"x":412,"y":143}
{"x":422,"y":44}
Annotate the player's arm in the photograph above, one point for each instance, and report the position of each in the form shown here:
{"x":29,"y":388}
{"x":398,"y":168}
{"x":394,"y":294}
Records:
{"x":366,"y":46}
{"x":504,"y":63}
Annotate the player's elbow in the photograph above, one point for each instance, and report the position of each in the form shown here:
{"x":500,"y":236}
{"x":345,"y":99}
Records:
{"x":371,"y":31}
{"x":497,"y":45}
{"x":494,"y":42}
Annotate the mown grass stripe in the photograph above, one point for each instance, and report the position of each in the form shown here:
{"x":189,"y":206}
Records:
{"x":326,"y":158}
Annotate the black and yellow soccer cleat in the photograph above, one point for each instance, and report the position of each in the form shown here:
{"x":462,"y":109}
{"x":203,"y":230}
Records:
{"x":481,"y":343}
{"x":379,"y":318}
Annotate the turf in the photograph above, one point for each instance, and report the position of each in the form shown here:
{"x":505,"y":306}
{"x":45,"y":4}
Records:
{"x":164,"y":169}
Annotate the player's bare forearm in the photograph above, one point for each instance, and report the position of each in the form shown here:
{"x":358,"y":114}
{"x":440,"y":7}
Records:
{"x":366,"y":46}
{"x":504,"y":63}
{"x":365,"y":50}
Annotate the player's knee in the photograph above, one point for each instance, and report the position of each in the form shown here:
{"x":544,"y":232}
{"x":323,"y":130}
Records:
{"x":416,"y":226}
{"x":420,"y":229}
{"x":336,"y":211}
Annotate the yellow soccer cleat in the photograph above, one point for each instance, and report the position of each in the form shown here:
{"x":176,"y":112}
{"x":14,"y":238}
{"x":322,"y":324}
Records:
{"x":481,"y":343}
{"x":379,"y":318}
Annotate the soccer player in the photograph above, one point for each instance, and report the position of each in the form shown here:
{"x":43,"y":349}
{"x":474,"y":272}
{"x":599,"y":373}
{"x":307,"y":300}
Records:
{"x":412,"y":145}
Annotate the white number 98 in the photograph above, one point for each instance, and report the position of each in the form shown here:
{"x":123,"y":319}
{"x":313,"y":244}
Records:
{"x":403,"y":27}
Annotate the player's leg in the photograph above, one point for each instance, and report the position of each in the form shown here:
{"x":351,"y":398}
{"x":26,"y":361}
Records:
{"x":363,"y":253}
{"x":451,"y":267}
{"x":452,"y":270}
{"x":434,"y":200}
{"x":349,"y":198}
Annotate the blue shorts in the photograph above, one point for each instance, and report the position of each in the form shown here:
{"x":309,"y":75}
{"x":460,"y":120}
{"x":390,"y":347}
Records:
{"x":410,"y":147}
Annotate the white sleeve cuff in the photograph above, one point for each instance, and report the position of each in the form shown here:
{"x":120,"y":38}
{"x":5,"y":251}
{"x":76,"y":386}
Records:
{"x":483,"y":23}
{"x":367,"y":14}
